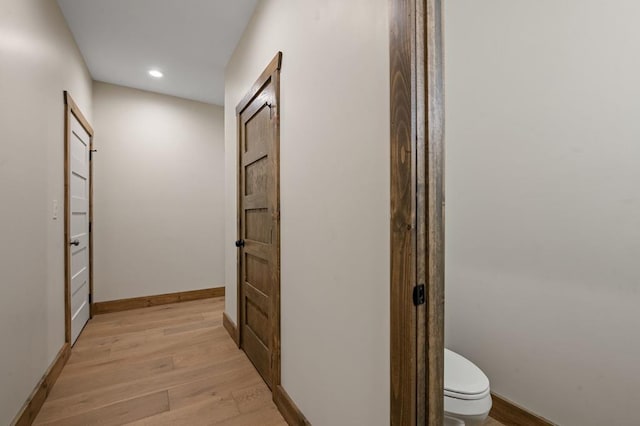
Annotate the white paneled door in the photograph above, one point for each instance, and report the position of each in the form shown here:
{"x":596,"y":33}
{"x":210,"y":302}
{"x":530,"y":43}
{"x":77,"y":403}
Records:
{"x":78,"y":208}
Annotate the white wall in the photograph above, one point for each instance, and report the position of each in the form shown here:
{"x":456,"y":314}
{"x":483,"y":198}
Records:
{"x":543,"y":202}
{"x":38,"y":61}
{"x":334,"y":199}
{"x":158,"y":194}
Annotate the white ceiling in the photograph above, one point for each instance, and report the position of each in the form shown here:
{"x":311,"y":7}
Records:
{"x":190,"y":41}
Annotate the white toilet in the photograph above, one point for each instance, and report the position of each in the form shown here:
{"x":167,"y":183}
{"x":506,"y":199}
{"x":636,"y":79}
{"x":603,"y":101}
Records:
{"x":467,"y":398}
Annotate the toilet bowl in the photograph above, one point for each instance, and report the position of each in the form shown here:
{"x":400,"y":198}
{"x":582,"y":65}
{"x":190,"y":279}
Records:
{"x":467,"y":397}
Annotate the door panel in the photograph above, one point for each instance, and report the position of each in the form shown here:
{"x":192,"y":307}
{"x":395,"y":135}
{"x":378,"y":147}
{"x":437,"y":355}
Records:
{"x":258,"y":353}
{"x":255,"y":176}
{"x":78,"y":244}
{"x":258,"y":225}
{"x":258,"y":125}
{"x":259,"y":218}
{"x":257,"y":272}
{"x":258,"y":322}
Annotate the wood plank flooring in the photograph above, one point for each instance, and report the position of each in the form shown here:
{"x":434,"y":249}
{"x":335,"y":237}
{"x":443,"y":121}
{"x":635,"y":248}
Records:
{"x":165,"y":365}
{"x":492,"y":422}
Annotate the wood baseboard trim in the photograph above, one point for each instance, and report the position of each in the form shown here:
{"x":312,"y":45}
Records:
{"x":99,"y":308}
{"x":511,"y":414}
{"x":230,"y":327}
{"x":32,"y":406}
{"x":288,"y":408}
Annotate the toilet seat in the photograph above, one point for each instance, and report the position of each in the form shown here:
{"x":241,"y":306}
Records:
{"x":463,"y":379}
{"x":471,"y":412}
{"x":467,"y":397}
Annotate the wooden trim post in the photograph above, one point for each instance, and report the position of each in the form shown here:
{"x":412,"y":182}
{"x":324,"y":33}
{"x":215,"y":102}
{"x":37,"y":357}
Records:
{"x":417,"y":213}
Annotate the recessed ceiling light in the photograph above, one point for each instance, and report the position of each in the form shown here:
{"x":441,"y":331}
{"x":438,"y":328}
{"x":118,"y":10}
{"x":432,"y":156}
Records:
{"x":155,"y":73}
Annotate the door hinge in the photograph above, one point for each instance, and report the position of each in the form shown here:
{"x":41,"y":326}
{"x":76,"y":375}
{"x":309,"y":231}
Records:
{"x":90,"y":227}
{"x":90,"y":298}
{"x":418,"y":295}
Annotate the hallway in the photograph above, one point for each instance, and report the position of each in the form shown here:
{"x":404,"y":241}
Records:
{"x":172,"y":364}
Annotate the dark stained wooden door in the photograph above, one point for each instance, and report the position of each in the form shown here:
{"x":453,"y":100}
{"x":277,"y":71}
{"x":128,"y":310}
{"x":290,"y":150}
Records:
{"x":259,"y":229}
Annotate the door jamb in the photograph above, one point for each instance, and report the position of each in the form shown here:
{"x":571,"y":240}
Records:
{"x":71,"y":108}
{"x":270,"y":73}
{"x":417,"y":212}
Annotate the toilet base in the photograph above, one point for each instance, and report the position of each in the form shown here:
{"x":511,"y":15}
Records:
{"x":459,"y":412}
{"x":469,"y":421}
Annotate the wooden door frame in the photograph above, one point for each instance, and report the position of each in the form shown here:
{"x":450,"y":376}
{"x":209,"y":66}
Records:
{"x":271,"y":74}
{"x":72,"y":109}
{"x":417,"y":212}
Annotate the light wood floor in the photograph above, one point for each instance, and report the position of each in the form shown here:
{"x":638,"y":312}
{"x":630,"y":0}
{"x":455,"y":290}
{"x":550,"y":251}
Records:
{"x":165,"y":365}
